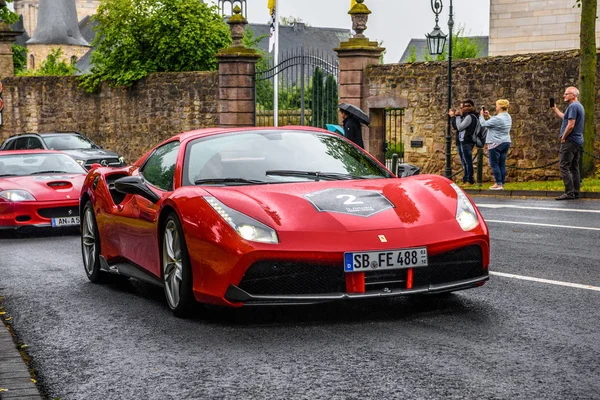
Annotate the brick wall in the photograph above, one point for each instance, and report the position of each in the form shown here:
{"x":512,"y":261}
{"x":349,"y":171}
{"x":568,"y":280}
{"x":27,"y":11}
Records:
{"x":128,"y":121}
{"x":527,"y":81}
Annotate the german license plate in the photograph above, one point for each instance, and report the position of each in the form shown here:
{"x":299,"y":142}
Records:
{"x":389,"y":259}
{"x":65,"y":221}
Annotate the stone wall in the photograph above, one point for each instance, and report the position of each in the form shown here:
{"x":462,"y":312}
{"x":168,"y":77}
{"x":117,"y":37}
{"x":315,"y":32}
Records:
{"x":527,"y":81}
{"x":128,"y":121}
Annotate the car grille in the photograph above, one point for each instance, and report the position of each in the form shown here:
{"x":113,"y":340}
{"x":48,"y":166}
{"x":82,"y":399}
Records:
{"x":456,"y":265}
{"x":57,"y":212}
{"x":288,"y":278}
{"x":271,"y":278}
{"x":112,"y":162}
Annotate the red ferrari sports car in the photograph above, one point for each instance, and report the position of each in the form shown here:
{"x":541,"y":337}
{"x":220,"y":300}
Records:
{"x":39,"y":188}
{"x":252,"y":216}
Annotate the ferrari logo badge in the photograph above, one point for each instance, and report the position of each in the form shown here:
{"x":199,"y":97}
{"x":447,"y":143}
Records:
{"x":382,"y":238}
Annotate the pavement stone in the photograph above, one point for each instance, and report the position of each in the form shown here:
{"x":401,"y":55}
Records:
{"x":15,"y":381}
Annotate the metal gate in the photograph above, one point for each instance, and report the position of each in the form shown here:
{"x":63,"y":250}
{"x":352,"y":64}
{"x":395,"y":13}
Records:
{"x":308,"y":89}
{"x":394,"y":120}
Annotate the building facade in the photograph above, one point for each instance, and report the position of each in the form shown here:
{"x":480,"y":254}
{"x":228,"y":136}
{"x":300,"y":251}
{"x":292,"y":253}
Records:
{"x":533,"y":26}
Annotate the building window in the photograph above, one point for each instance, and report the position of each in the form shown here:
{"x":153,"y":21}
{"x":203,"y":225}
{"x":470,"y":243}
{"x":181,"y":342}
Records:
{"x":32,"y":61}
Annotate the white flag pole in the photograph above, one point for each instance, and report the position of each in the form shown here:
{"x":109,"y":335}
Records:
{"x":275,"y":63}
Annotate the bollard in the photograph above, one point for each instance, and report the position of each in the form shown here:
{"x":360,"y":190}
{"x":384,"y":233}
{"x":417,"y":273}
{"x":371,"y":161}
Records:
{"x":479,"y":166}
{"x":395,"y":164}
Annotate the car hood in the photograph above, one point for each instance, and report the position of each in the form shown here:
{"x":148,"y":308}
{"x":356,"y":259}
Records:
{"x":343,"y":206}
{"x":86,"y":154}
{"x":46,"y":187}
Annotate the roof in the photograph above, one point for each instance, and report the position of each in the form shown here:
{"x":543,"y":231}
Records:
{"x":420,"y":46}
{"x":19,"y":26}
{"x":57,"y":24}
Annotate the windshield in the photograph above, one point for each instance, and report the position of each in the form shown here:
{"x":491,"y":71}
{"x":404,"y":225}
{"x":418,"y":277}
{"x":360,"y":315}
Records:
{"x":276,"y":157}
{"x":34,"y":164}
{"x":68,"y":142}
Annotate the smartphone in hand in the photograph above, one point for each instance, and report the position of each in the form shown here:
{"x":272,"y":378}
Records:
{"x":551,"y":102}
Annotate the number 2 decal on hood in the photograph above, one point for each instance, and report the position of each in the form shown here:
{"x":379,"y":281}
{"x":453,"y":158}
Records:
{"x":363,"y":203}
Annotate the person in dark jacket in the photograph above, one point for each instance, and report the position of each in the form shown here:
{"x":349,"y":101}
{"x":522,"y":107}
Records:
{"x":352,"y":129}
{"x":465,"y":122}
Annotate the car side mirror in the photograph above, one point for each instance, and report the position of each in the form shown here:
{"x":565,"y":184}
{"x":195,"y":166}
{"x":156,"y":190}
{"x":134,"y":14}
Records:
{"x":406,"y":169}
{"x":136,"y":185}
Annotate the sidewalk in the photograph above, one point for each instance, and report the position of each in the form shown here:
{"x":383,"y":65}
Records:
{"x":527,"y":193}
{"x":15,"y":381}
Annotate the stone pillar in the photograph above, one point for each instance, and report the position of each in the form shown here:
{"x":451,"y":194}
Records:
{"x":7,"y":37}
{"x":355,"y":55}
{"x":237,"y":66}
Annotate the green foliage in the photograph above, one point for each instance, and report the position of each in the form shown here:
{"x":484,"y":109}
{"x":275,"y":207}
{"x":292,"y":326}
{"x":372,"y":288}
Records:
{"x":412,"y":56}
{"x":138,"y":37}
{"x":8,"y":16}
{"x":19,"y":58}
{"x":318,"y":111}
{"x":394,"y":147}
{"x":331,"y":100}
{"x":264,"y":88}
{"x":52,"y":66}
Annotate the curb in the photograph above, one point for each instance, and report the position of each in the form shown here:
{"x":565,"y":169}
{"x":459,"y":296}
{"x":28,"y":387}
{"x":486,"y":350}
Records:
{"x":15,"y":381}
{"x":528,"y":193}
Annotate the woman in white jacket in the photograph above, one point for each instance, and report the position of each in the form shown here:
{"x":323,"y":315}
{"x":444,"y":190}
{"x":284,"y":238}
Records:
{"x":497,"y":140}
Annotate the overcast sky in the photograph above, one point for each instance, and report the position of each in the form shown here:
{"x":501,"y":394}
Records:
{"x":394,"y":22}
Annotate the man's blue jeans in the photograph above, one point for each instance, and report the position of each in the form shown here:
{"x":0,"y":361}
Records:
{"x":465,"y":152}
{"x":497,"y":157}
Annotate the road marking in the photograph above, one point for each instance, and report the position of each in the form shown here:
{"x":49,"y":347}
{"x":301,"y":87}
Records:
{"x":547,"y":225}
{"x":496,"y":206}
{"x":559,"y":283}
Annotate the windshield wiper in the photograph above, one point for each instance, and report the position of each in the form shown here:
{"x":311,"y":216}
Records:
{"x":316,"y":175}
{"x":214,"y":181}
{"x":48,"y":172}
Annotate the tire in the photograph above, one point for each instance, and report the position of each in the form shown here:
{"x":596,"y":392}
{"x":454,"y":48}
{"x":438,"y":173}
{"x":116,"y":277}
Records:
{"x":176,"y":270}
{"x":90,"y":245}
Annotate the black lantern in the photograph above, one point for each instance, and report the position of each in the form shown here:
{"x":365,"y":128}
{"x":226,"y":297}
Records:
{"x":436,"y":41}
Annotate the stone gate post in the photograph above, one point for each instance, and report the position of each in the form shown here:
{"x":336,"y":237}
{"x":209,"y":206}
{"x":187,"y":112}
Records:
{"x":355,"y":56}
{"x":237,"y":66}
{"x":7,"y":37}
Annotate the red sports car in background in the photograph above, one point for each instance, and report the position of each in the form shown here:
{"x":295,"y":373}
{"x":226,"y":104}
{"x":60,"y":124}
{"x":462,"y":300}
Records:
{"x":39,"y":188}
{"x":287,"y":215}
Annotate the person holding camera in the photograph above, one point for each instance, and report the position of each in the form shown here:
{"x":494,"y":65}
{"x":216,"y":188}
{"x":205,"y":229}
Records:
{"x":571,"y":142}
{"x":465,"y":123}
{"x":497,"y":140}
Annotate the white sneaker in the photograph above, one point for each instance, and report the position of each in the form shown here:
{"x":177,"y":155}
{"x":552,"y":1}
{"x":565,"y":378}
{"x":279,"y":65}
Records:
{"x":496,"y":187}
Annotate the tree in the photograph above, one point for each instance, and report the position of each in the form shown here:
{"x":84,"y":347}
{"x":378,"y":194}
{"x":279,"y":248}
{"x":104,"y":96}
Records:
{"x":138,"y":37}
{"x":412,"y":56}
{"x":331,"y":100}
{"x":6,"y":15}
{"x":317,"y":98}
{"x":19,"y":58}
{"x":587,"y":77}
{"x":53,"y":66}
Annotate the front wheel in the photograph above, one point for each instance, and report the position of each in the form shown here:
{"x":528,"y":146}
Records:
{"x":177,"y":275}
{"x":90,"y":245}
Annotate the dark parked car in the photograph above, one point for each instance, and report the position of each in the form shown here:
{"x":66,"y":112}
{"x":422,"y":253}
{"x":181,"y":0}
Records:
{"x":82,"y":149}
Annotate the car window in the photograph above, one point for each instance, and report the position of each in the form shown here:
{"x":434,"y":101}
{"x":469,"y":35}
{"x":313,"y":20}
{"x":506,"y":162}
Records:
{"x":68,"y":142}
{"x":38,"y":164}
{"x":21,"y":143}
{"x":159,"y":169}
{"x":34,"y":143}
{"x":10,"y":145}
{"x":249,"y":155}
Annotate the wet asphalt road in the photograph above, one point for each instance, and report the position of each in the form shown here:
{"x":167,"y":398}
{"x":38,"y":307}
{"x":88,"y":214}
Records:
{"x":511,"y":339}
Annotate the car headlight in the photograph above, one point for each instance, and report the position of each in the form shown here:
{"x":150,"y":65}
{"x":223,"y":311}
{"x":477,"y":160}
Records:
{"x":81,"y":162}
{"x":465,"y":212}
{"x":17,"y":195}
{"x":248,"y":228}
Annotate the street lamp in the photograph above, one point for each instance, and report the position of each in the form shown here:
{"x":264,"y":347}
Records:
{"x":435,"y":42}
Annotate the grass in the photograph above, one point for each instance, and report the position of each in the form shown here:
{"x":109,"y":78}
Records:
{"x":588,"y":185}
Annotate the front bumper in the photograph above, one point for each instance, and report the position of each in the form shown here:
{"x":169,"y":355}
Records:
{"x":36,"y":214}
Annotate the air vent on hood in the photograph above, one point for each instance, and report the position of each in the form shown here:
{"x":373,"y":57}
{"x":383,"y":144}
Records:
{"x":60,"y":185}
